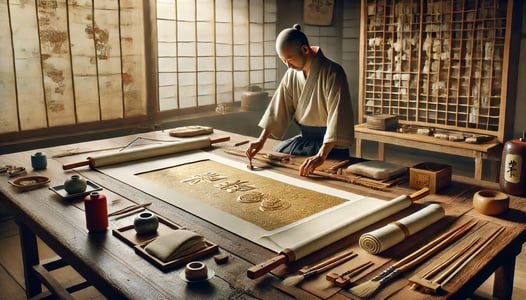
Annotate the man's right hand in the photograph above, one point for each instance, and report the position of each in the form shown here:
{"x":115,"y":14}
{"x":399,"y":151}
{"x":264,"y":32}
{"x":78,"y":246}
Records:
{"x":254,"y":148}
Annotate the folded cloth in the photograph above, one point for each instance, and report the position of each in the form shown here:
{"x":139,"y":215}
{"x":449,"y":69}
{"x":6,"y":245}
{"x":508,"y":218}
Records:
{"x":376,"y":169}
{"x":175,"y":245}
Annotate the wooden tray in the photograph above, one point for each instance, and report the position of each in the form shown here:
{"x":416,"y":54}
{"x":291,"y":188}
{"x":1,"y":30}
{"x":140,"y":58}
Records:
{"x":128,"y":235}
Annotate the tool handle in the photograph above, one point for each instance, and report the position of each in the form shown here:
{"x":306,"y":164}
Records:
{"x":421,"y":193}
{"x":337,"y":262}
{"x":265,"y":267}
{"x":220,"y":140}
{"x":76,"y":164}
{"x":326,"y":262}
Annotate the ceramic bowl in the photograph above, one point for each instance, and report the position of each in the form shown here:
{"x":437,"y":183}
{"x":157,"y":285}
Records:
{"x":490,"y":202}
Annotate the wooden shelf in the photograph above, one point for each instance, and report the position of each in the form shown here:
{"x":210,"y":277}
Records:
{"x":454,"y":53}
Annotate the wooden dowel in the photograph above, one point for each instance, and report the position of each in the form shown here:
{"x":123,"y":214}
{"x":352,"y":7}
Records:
{"x":266,"y":266}
{"x":76,"y":164}
{"x":419,"y":256}
{"x":415,"y":255}
{"x":129,"y":208}
{"x":438,"y":268}
{"x":220,"y":140}
{"x":326,"y":262}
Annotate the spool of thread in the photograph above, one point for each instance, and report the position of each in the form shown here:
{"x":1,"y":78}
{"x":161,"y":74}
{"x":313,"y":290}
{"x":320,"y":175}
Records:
{"x":95,"y":206}
{"x":39,"y":161}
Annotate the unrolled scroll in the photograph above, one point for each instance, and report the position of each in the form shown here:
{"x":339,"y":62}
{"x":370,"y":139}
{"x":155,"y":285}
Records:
{"x":391,"y":234}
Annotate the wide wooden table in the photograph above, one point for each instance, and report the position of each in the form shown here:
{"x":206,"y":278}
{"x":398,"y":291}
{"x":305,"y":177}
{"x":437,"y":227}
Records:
{"x":118,"y":272}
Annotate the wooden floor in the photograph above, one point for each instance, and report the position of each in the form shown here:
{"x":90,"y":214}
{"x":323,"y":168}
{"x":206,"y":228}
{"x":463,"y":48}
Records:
{"x":12,"y":277}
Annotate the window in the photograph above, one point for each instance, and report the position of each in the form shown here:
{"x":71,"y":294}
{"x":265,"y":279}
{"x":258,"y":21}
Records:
{"x":210,"y":51}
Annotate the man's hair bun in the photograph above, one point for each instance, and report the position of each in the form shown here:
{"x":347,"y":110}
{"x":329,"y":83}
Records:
{"x":297,"y":27}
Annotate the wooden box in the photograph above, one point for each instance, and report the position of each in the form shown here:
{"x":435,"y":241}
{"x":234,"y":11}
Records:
{"x":428,"y":174}
{"x":381,"y":122}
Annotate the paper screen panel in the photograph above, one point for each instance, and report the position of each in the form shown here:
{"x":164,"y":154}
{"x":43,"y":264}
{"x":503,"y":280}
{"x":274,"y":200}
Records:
{"x":83,"y":61}
{"x":132,"y":50}
{"x":56,"y":63}
{"x":28,"y":68}
{"x":9,"y":120}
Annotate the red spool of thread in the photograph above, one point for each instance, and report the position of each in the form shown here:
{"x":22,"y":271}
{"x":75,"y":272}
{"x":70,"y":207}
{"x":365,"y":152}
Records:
{"x":95,"y":206}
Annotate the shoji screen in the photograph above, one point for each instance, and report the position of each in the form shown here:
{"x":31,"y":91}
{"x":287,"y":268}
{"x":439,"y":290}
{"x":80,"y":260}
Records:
{"x":210,"y":51}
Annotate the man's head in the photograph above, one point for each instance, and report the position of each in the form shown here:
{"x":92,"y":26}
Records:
{"x":293,"y":47}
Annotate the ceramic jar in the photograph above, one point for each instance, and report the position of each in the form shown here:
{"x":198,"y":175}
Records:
{"x":75,"y":185}
{"x":512,"y":177}
{"x":38,"y":161}
{"x":146,"y":223}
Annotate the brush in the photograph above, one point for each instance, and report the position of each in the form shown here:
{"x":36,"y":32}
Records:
{"x":314,"y":271}
{"x":368,"y":288}
{"x":344,"y":278}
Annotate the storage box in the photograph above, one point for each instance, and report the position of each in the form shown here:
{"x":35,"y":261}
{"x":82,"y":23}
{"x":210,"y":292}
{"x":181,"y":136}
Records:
{"x":428,"y":174}
{"x":381,"y":122}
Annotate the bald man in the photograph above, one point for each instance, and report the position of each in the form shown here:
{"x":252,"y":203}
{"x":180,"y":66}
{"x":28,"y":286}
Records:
{"x":315,"y":94}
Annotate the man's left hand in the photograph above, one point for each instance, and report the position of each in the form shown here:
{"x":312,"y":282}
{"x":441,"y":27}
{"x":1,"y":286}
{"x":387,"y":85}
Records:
{"x":310,"y":164}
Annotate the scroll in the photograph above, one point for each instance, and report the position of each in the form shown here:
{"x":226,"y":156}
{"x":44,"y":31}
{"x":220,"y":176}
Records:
{"x":391,"y":234}
{"x":145,"y":152}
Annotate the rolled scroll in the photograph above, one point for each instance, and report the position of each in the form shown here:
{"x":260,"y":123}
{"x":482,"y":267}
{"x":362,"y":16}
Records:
{"x":391,"y":234}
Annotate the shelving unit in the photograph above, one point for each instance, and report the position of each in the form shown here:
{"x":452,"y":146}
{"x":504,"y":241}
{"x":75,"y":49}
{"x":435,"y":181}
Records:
{"x":440,"y":64}
{"x":437,"y":63}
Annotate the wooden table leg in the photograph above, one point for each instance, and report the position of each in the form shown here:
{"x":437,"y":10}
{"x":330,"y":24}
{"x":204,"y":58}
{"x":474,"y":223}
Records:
{"x":381,"y":151}
{"x":358,"y":148}
{"x":503,"y":283}
{"x":478,"y":165}
{"x":28,"y":242}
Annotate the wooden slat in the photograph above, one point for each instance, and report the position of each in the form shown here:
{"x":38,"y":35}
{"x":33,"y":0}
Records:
{"x":31,"y":101}
{"x":9,"y":120}
{"x":56,"y":63}
{"x":83,"y":61}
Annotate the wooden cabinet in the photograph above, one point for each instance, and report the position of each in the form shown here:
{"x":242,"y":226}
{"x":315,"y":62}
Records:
{"x":448,"y":64}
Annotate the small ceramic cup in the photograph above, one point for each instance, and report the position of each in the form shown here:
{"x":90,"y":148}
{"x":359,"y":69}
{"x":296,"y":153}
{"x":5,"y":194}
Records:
{"x":196,"y":271}
{"x":146,"y":223}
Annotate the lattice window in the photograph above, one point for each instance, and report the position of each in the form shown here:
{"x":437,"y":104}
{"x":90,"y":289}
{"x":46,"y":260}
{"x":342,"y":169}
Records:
{"x":209,"y":52}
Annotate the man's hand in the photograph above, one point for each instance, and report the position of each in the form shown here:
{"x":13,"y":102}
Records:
{"x":254,"y":148}
{"x":310,"y":164}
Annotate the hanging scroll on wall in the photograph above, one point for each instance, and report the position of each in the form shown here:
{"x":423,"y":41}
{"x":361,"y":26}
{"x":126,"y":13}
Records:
{"x":318,"y":12}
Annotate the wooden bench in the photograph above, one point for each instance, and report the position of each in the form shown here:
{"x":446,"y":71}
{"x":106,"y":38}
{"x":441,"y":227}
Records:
{"x":491,"y":150}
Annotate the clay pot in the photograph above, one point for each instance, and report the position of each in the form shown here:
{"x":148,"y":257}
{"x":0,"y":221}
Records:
{"x":491,"y":202}
{"x":146,"y":223}
{"x":75,"y":185}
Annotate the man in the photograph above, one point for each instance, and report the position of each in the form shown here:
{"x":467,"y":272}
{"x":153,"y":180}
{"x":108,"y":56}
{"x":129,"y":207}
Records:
{"x":315,"y":93}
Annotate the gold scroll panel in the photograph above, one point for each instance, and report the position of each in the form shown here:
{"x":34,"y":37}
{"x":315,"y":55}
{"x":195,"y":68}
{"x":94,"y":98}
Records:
{"x":213,"y":183}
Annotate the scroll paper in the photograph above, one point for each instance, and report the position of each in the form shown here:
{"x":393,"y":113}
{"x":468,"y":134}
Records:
{"x":391,"y":234}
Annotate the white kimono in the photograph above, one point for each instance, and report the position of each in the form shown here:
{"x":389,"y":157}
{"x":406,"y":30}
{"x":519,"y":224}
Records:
{"x":320,"y":100}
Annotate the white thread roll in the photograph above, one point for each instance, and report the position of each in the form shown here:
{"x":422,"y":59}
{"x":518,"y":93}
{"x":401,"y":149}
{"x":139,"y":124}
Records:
{"x":391,"y":234}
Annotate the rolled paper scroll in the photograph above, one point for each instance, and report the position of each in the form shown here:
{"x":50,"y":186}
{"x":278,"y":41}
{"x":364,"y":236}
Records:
{"x":391,"y":234}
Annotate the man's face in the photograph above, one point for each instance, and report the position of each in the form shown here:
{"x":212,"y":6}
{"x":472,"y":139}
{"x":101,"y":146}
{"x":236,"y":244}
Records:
{"x":292,"y":57}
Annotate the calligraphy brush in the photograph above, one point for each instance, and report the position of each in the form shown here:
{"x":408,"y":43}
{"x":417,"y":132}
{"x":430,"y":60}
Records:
{"x":318,"y":269}
{"x":368,"y":288}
